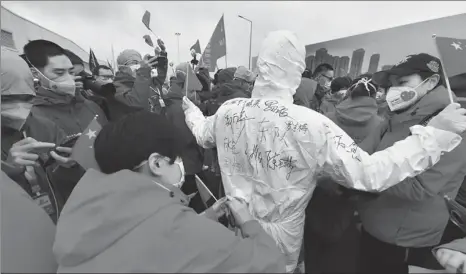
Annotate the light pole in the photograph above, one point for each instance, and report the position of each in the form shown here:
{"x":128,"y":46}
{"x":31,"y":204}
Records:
{"x":178,"y":38}
{"x":250,"y":38}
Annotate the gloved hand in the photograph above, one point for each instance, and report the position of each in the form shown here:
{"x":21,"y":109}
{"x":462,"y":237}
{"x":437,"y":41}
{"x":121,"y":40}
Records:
{"x":452,"y":119}
{"x":217,"y":210}
{"x":187,"y":104}
{"x":452,"y":261}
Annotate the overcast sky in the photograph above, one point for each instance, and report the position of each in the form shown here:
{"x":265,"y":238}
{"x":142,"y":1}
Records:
{"x":99,"y":24}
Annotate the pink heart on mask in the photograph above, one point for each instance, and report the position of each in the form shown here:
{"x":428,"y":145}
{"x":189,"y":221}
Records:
{"x":408,"y":95}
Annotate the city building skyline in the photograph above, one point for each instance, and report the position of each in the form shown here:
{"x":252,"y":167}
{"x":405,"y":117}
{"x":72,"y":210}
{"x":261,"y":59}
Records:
{"x":374,"y":63}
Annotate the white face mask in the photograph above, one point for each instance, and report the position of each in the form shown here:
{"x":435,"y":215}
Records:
{"x":14,"y":115}
{"x":179,"y":162}
{"x":402,"y":97}
{"x":67,"y":86}
{"x":342,"y":92}
{"x":180,"y":165}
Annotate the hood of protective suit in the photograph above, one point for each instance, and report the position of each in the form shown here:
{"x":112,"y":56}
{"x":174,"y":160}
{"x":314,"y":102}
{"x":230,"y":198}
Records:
{"x":280,"y":65}
{"x":16,"y":77}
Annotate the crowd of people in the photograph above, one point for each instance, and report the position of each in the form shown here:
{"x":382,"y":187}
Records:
{"x":306,"y":173}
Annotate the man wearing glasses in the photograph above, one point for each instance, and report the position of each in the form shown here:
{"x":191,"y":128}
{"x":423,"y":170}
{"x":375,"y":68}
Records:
{"x":323,"y":75}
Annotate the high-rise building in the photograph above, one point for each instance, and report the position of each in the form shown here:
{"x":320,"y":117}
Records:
{"x":310,"y":62}
{"x":344,"y":64}
{"x":321,"y":56}
{"x":374,"y":63}
{"x":336,"y":66}
{"x":356,"y":63}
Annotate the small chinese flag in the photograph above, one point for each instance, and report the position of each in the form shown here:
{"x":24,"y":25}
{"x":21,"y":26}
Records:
{"x":146,"y":19}
{"x":83,"y":150}
{"x":453,"y":54}
{"x":204,"y":192}
{"x":196,"y":47}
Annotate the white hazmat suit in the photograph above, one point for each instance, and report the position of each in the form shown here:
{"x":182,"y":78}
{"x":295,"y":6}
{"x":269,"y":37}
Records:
{"x":271,"y":151}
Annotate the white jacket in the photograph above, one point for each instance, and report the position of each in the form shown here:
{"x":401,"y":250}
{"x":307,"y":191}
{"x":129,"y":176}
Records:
{"x":271,"y":151}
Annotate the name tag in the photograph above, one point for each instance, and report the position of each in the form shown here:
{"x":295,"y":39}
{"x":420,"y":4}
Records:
{"x":43,"y":200}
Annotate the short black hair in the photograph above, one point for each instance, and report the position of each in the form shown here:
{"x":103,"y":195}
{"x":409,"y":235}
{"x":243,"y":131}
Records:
{"x":306,"y":73}
{"x":96,"y":71}
{"x":340,"y":83}
{"x":38,"y":52}
{"x":127,"y":142}
{"x":322,"y":68}
{"x":75,"y":60}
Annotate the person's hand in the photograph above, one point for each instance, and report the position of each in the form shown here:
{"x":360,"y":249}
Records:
{"x":452,"y":118}
{"x":61,"y":160}
{"x":148,"y":61}
{"x":25,"y":153}
{"x":187,"y":104}
{"x":79,"y":84}
{"x":161,"y":44}
{"x":452,"y":261}
{"x":217,"y":210}
{"x":239,"y":209}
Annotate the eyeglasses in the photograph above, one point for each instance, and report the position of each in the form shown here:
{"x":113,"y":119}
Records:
{"x":327,"y":77}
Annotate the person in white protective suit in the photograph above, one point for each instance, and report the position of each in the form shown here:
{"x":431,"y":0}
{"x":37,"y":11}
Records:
{"x":271,"y":152}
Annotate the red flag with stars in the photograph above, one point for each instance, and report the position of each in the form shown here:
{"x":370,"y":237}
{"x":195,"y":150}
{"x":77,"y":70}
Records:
{"x":453,"y":54}
{"x":216,"y":48}
{"x":83,"y":150}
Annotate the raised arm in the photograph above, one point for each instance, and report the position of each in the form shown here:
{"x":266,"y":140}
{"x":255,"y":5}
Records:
{"x":350,"y":166}
{"x":202,"y":128}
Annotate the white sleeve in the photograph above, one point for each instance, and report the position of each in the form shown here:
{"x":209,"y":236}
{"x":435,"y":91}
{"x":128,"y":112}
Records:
{"x":202,"y":128}
{"x":347,"y":164}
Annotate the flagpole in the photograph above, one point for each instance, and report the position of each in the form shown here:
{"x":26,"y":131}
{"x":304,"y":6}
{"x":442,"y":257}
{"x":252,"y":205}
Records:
{"x":187,"y":79}
{"x":447,"y":82}
{"x":113,"y":60}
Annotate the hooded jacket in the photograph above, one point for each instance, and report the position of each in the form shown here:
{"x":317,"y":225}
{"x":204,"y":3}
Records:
{"x":329,"y":103}
{"x":305,"y":92}
{"x":193,"y":155}
{"x":72,"y":114}
{"x":127,"y":223}
{"x":271,"y":151}
{"x":414,"y":213}
{"x":141,"y":91}
{"x":225,"y":92}
{"x":331,"y":215}
{"x":41,"y":130}
{"x":357,"y":117}
{"x":27,"y":233}
{"x":17,"y":79}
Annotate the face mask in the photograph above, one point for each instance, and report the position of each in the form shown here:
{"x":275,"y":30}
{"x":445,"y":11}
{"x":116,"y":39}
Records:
{"x":67,"y":86}
{"x":180,"y":165}
{"x":342,"y":93}
{"x":402,"y":97}
{"x":134,"y":67}
{"x":14,"y":115}
{"x":179,"y":162}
